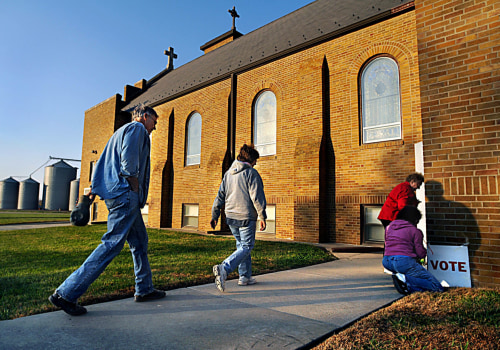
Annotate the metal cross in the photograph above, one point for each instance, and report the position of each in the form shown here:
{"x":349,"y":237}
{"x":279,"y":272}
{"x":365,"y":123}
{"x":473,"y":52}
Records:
{"x":234,"y":14}
{"x":171,"y":55}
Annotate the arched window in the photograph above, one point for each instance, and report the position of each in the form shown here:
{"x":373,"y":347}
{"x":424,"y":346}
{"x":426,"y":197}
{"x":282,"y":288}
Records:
{"x":380,"y":101}
{"x":193,"y":139}
{"x":264,"y":128}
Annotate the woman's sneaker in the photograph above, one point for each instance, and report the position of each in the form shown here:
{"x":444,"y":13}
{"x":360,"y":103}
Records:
{"x":244,"y":281}
{"x":220,"y":277}
{"x":400,"y":286}
{"x":154,"y":295}
{"x":401,"y":277}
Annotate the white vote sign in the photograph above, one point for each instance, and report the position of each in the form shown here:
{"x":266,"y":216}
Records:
{"x":449,"y":263}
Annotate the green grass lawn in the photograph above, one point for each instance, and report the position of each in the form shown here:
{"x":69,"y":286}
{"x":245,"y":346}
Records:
{"x":8,"y":217}
{"x":34,"y":262}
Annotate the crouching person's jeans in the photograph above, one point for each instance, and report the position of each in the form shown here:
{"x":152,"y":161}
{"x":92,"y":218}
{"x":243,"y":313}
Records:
{"x":124,"y":224}
{"x":418,"y":279}
{"x":241,"y":257}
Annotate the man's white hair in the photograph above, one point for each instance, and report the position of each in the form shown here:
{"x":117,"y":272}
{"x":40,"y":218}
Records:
{"x":142,"y":110}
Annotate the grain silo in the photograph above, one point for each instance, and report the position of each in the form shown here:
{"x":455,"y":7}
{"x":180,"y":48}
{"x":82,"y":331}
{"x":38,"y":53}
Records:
{"x":9,"y":192}
{"x":28,"y":194}
{"x":56,"y":185}
{"x":74,"y":188}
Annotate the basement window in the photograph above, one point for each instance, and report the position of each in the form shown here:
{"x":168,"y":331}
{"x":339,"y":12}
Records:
{"x":190,"y":215}
{"x":271,"y":219}
{"x":371,"y":228}
{"x":94,"y":211}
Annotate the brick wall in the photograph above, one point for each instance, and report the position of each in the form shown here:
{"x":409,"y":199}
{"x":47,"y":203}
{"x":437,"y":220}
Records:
{"x":365,"y":174}
{"x":100,"y":123}
{"x":447,"y":53}
{"x":458,"y":44}
{"x":317,"y":104}
{"x":195,"y":184}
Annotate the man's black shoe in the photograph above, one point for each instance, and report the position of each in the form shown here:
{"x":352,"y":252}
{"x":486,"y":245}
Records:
{"x":155,"y":294}
{"x":70,"y":308}
{"x":400,"y":286}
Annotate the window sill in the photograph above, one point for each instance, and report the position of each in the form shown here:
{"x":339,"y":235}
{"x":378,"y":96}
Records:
{"x":268,"y":157}
{"x":382,"y":144}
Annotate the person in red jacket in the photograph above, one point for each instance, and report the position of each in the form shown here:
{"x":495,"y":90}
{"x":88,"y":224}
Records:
{"x":401,"y":196}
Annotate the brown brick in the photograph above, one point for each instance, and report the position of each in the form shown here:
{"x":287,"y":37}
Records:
{"x":447,"y":52}
{"x":469,"y":44}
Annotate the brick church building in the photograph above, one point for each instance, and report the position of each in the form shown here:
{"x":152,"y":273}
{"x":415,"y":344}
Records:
{"x":343,"y":99}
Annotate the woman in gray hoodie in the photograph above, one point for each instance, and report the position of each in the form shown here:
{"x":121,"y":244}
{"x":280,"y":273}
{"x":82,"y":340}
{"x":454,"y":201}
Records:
{"x":242,"y":193}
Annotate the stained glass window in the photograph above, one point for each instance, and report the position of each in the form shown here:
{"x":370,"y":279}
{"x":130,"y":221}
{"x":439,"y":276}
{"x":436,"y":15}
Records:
{"x":193,"y":142}
{"x":265,"y":123}
{"x":381,"y":101}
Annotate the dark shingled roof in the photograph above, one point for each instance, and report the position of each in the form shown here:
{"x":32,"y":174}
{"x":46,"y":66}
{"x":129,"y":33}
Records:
{"x":303,"y":28}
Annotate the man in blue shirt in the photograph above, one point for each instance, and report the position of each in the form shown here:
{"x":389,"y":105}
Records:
{"x":121,"y":178}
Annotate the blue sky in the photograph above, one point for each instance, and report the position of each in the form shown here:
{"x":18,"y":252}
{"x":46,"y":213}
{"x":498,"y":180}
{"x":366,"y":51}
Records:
{"x":59,"y":58}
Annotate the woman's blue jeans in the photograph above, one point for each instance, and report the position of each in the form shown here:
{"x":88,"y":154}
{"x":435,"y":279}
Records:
{"x":124,"y":224}
{"x":241,"y":257}
{"x":418,"y":279}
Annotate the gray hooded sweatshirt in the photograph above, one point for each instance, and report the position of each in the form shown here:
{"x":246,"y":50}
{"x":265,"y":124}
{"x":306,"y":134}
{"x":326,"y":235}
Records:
{"x":242,"y":193}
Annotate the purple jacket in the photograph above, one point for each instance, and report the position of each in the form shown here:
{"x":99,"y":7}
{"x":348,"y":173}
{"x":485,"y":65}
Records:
{"x":402,"y":238}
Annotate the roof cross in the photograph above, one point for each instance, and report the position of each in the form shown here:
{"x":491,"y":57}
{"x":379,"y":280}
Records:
{"x":171,"y":55}
{"x":234,"y":14}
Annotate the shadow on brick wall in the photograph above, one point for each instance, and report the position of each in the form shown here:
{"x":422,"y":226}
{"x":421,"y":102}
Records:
{"x":449,"y":222}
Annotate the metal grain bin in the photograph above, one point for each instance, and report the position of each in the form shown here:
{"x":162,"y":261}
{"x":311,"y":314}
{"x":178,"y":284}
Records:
{"x":28,"y":194}
{"x":56,"y":185}
{"x":9,"y":192}
{"x":74,"y":188}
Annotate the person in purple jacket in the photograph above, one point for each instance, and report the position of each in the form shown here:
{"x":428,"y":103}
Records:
{"x":403,"y":249}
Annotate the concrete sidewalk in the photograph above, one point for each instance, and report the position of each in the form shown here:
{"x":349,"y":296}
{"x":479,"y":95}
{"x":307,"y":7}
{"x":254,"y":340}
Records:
{"x":32,"y":225}
{"x":284,"y":310}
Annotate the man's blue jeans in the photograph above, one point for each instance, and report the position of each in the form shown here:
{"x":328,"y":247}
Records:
{"x":418,"y":279}
{"x":124,"y":224}
{"x":241,"y":257}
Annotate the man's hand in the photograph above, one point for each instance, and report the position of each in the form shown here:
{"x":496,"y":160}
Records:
{"x":262,"y":225}
{"x":213,"y":223}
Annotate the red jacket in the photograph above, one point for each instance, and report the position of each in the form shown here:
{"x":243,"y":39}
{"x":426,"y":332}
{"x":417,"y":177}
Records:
{"x":401,"y":196}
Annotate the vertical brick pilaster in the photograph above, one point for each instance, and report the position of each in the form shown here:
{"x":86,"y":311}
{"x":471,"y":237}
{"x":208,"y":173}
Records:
{"x":458,"y":46}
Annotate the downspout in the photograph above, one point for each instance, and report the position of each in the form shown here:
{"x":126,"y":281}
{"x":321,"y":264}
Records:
{"x":419,"y":168}
{"x":230,"y":155}
{"x":232,"y":117}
